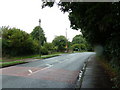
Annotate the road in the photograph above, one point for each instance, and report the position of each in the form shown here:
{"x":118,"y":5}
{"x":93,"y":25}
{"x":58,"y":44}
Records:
{"x":57,"y":72}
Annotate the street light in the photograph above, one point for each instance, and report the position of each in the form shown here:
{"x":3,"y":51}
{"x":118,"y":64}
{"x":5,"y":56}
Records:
{"x":39,"y":37}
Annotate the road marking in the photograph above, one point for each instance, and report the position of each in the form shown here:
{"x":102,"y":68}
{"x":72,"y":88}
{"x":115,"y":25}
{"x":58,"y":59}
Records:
{"x":40,"y":69}
{"x":30,"y":71}
{"x":49,"y":65}
{"x":64,"y":60}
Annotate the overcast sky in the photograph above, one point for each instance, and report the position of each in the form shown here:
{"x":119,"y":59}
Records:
{"x":25,"y":14}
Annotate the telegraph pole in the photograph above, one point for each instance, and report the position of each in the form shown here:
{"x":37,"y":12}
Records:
{"x":66,"y":41}
{"x":39,"y":38}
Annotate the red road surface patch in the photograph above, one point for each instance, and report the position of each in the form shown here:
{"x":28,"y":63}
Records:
{"x":59,"y":75}
{"x":18,"y":71}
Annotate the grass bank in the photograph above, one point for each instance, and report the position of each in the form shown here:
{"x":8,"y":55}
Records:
{"x":11,"y":63}
{"x":47,"y":56}
{"x":19,"y":60}
{"x":1,"y":60}
{"x":7,"y":59}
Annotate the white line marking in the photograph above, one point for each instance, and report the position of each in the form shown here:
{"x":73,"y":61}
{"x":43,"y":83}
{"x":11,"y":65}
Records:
{"x":49,"y":65}
{"x":30,"y":71}
{"x":40,"y":70}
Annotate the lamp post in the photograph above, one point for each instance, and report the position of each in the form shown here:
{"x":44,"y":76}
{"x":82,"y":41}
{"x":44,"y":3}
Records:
{"x":39,"y":37}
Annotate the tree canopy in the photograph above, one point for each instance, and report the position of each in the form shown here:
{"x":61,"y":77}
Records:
{"x":98,"y":21}
{"x":38,"y":34}
{"x":60,"y":42}
{"x":78,"y":39}
{"x":17,"y":42}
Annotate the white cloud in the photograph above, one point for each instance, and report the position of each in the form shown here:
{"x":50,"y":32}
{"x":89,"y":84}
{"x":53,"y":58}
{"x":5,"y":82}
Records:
{"x":24,"y":14}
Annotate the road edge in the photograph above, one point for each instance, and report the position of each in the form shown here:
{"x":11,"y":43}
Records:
{"x":81,"y":74}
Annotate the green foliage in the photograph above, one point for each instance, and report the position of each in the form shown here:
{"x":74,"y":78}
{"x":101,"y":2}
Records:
{"x":11,"y":63}
{"x":79,"y":47}
{"x":99,"y":24}
{"x":47,"y":56}
{"x":17,"y":42}
{"x":38,"y":34}
{"x":78,"y":39}
{"x":50,"y":47}
{"x":0,"y":48}
{"x":80,"y":42}
{"x":44,"y":51}
{"x":98,"y":28}
{"x":60,"y":43}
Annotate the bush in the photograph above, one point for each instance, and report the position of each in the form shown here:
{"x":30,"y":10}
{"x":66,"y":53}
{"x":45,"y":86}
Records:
{"x":44,"y":51}
{"x":50,"y":47}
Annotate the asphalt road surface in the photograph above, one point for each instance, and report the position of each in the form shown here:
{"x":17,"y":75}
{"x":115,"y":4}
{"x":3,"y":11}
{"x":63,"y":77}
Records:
{"x":57,"y":72}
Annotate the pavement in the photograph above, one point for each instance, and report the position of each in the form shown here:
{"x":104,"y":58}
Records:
{"x":95,"y":75}
{"x":56,"y":72}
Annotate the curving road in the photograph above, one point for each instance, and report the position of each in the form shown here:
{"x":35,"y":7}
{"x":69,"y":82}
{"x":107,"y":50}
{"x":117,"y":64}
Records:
{"x":57,"y":72}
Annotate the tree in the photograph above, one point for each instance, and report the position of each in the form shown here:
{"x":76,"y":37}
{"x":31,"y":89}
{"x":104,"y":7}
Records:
{"x":60,"y":42}
{"x":78,"y":39}
{"x":83,"y":44}
{"x":16,"y":42}
{"x":99,"y":24}
{"x":79,"y":47}
{"x":38,"y":34}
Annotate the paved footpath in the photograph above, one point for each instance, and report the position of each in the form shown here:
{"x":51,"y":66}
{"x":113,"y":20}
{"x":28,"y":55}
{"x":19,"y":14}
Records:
{"x":95,"y":76}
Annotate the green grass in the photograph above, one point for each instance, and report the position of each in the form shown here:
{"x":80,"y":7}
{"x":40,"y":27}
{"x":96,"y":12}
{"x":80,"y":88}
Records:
{"x":23,"y":57}
{"x":11,"y":63}
{"x":9,"y":59}
{"x":1,"y":60}
{"x":79,"y":51}
{"x":47,"y":56}
{"x":34,"y":56}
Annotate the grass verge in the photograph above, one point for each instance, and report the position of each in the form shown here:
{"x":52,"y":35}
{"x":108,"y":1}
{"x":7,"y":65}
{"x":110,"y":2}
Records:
{"x":23,"y":57}
{"x":11,"y":63}
{"x":1,"y":60}
{"x":7,"y":59}
{"x":47,"y":56}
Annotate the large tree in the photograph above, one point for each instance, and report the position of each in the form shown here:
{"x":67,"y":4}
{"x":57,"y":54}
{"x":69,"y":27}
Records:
{"x":78,"y":39}
{"x":60,"y":42}
{"x":81,"y":42}
{"x":38,"y":34}
{"x":99,"y":23}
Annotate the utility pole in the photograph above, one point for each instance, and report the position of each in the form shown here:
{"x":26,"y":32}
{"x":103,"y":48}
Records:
{"x":39,"y":38}
{"x":66,"y":41}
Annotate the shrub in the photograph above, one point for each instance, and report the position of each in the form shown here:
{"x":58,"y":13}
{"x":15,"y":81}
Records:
{"x":44,"y":51}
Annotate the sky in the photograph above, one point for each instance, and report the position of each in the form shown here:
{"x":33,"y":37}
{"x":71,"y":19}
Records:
{"x":25,"y":14}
